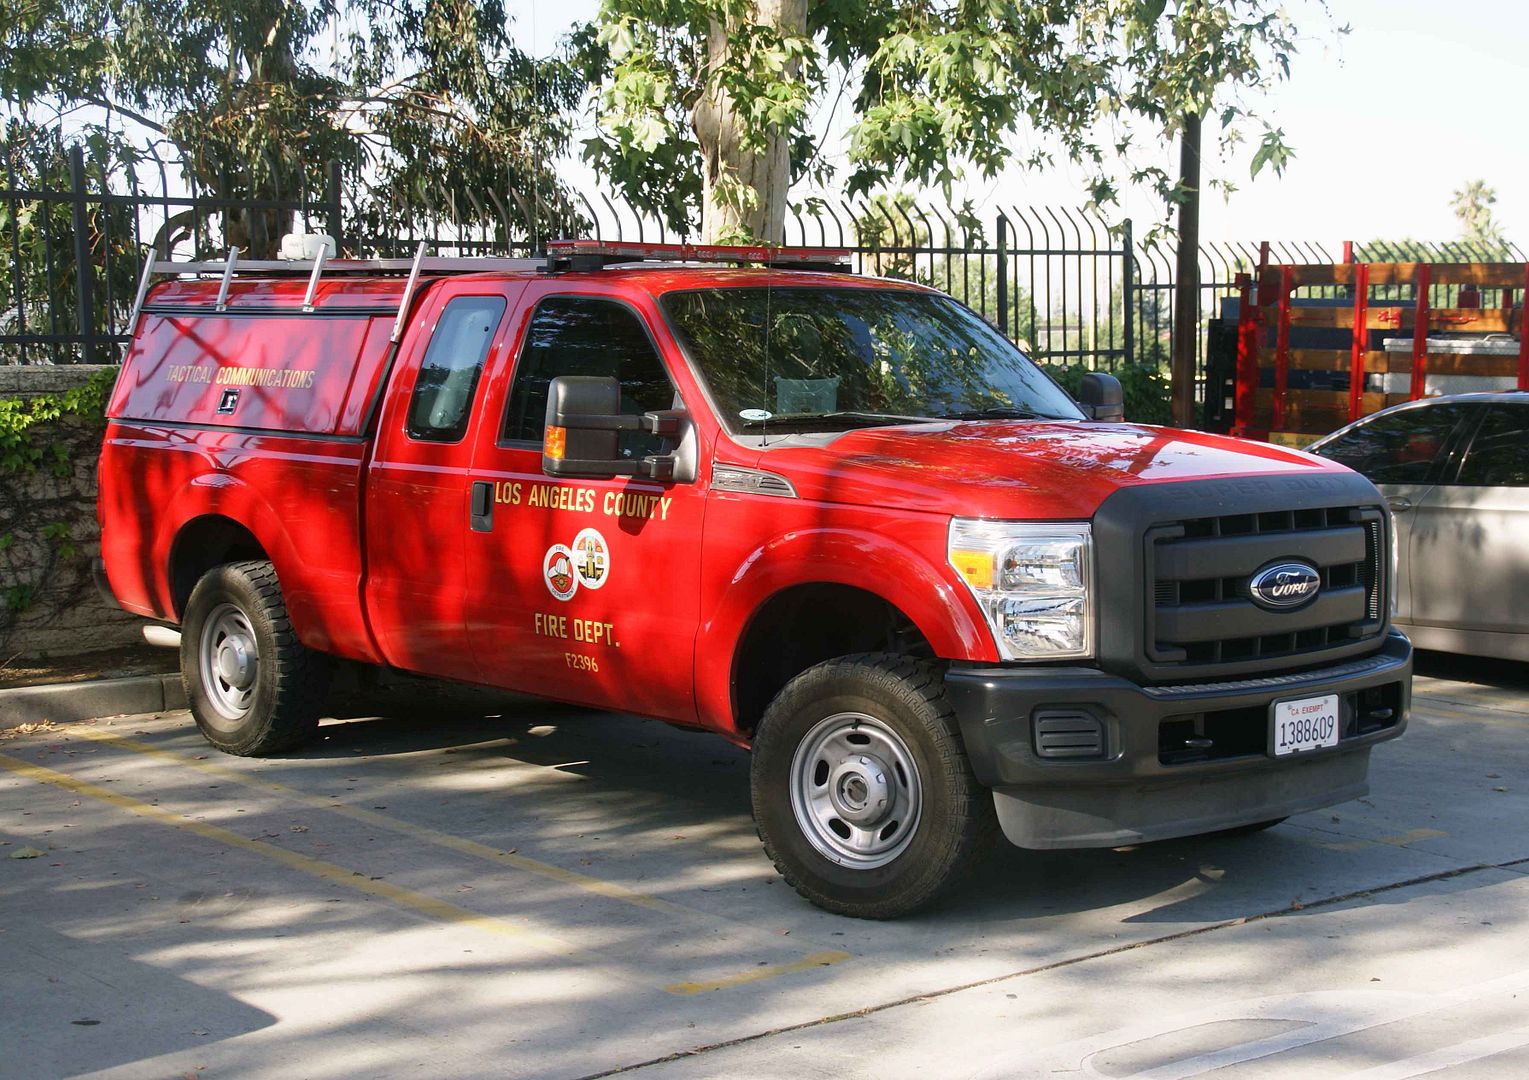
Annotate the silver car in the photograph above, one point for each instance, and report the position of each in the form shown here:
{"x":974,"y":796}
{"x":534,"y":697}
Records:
{"x":1456,"y":473}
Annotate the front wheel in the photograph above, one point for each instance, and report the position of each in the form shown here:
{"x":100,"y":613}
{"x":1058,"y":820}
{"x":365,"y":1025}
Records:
{"x":862,"y":791}
{"x":252,"y":686}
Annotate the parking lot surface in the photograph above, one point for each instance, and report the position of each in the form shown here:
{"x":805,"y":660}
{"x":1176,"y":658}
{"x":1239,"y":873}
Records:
{"x":475,"y":887}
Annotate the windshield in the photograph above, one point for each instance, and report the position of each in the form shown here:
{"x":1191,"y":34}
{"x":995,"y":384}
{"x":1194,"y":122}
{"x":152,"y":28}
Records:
{"x":855,"y":358}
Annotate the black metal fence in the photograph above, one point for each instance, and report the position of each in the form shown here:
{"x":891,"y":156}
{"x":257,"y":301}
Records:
{"x":1068,"y":285}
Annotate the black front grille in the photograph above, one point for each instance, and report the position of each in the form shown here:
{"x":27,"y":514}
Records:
{"x":1199,"y":570}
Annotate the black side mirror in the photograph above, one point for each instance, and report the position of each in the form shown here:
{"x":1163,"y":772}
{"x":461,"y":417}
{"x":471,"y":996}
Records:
{"x":584,"y":422}
{"x":1102,"y":397}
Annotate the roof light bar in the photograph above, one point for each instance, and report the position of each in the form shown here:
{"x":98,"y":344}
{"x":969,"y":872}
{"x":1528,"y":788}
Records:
{"x":604,"y":252}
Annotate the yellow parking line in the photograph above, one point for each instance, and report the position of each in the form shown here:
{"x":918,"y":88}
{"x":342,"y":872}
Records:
{"x":1484,"y":715}
{"x":472,"y":848}
{"x":337,"y":875}
{"x":768,"y":971}
{"x":1412,"y":836}
{"x":382,"y":821}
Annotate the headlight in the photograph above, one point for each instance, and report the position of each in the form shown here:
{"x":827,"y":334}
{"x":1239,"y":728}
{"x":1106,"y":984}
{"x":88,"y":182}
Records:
{"x":1034,"y":582}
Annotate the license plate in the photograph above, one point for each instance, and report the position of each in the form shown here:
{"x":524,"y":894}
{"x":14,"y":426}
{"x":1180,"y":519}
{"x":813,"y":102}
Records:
{"x":1307,"y":724}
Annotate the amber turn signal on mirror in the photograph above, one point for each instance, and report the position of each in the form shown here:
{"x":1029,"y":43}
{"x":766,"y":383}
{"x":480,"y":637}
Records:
{"x":555,"y":442}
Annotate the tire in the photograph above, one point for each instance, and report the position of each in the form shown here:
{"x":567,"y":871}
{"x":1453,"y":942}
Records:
{"x":869,"y":742}
{"x":252,"y":686}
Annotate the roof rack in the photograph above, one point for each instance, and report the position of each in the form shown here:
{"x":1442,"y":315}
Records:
{"x":562,"y":256}
{"x":320,"y":267}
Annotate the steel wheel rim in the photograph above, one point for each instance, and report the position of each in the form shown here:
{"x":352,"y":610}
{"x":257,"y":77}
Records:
{"x":229,"y":662}
{"x":855,"y":791}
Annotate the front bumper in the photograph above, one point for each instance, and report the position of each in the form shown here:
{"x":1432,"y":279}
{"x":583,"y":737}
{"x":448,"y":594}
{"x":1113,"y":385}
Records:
{"x":1169,"y":760}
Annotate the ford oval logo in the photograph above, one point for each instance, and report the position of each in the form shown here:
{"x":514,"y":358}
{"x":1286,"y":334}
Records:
{"x":1285,"y":585}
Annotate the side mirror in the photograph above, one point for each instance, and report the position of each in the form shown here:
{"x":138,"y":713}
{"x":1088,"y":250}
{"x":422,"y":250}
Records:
{"x":1102,"y":398}
{"x":584,"y":422}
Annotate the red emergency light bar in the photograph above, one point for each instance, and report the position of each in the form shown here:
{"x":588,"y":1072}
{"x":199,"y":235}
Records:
{"x":584,"y":254}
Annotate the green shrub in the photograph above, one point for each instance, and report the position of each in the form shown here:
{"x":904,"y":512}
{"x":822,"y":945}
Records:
{"x":1148,"y":393}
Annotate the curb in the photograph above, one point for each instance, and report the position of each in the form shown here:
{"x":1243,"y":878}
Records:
{"x":65,"y":703}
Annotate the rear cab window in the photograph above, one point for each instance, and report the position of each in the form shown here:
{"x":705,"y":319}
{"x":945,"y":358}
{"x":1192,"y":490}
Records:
{"x":448,"y":375}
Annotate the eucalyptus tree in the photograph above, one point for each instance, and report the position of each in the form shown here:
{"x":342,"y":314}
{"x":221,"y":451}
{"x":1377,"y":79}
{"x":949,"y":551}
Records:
{"x":418,"y":100}
{"x":709,"y":106}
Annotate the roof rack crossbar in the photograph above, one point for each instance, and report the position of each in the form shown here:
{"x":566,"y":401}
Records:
{"x":408,"y":293}
{"x":228,"y":276}
{"x":319,"y":259}
{"x":144,"y":280}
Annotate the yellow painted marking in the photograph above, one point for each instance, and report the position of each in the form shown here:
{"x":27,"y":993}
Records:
{"x":382,"y":821}
{"x":1410,"y":837}
{"x":454,"y":843}
{"x":768,"y":971}
{"x":1433,"y":712}
{"x":337,"y":875}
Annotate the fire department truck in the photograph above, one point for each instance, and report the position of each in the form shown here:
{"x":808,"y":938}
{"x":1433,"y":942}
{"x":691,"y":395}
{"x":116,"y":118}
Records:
{"x":838,"y":520}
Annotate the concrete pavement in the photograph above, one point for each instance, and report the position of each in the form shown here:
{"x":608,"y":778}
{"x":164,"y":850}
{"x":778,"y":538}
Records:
{"x":532,"y":890}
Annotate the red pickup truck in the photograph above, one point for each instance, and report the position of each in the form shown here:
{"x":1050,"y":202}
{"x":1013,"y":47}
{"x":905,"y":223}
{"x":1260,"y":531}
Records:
{"x":840,"y":521}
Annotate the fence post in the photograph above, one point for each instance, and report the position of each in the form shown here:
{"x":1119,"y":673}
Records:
{"x":335,"y":208}
{"x":1003,"y":274}
{"x":1128,"y":288}
{"x":84,"y":280}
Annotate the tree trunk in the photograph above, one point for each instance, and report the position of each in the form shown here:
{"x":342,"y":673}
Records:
{"x":743,"y":191}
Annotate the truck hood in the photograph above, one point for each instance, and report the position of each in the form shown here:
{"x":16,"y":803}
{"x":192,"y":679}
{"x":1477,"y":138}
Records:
{"x":1009,"y":469}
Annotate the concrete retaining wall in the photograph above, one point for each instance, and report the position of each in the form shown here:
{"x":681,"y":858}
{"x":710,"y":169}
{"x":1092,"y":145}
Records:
{"x":48,"y":578}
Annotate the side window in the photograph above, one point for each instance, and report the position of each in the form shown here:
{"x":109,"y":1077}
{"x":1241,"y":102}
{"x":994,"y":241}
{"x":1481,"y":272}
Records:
{"x":1405,"y":447}
{"x":1499,"y":455}
{"x":572,"y":335}
{"x":448,"y":375}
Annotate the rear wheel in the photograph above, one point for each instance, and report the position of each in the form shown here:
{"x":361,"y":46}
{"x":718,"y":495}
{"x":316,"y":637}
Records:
{"x":252,"y":686}
{"x":862,"y":792}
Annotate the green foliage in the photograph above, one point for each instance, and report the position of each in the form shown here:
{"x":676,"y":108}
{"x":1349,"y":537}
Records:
{"x":23,"y":420}
{"x":419,"y":100}
{"x":25,"y":449}
{"x":38,"y":240}
{"x":1148,"y":393}
{"x":933,"y":89}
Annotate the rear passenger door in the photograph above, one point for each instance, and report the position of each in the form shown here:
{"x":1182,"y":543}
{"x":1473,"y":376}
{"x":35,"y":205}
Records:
{"x":1470,"y":535}
{"x":583,"y":590}
{"x":416,"y":489}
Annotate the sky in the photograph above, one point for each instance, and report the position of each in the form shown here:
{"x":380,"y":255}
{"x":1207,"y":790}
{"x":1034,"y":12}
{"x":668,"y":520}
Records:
{"x":1386,"y":122}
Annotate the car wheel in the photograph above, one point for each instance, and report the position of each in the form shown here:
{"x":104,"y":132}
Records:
{"x":862,"y":792}
{"x":252,"y":686}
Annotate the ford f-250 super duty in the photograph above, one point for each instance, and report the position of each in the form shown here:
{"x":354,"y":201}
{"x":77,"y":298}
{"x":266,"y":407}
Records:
{"x":840,"y":521}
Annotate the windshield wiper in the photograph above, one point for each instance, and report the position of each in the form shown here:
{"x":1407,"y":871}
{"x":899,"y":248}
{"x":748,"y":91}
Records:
{"x":849,"y":415}
{"x":1000,"y":413}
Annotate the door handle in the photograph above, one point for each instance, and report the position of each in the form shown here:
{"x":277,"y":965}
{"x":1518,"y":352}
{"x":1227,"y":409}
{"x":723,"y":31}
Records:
{"x":1399,"y":503}
{"x":480,"y":510}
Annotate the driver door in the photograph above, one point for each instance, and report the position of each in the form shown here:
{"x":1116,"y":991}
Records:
{"x":582,"y":590}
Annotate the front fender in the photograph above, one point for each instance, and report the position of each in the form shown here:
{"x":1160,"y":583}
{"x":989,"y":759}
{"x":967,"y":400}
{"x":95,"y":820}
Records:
{"x":931,"y":597}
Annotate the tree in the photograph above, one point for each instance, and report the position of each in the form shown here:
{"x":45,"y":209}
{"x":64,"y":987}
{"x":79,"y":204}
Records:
{"x":707,"y":104}
{"x":421,"y":94}
{"x":1472,"y":205}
